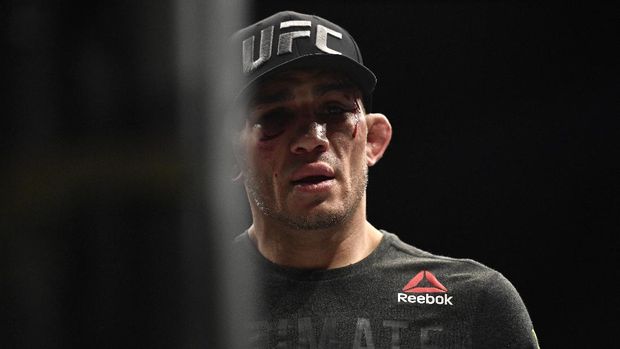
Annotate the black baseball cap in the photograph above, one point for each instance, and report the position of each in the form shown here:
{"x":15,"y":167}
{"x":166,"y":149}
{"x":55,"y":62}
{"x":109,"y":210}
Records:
{"x":290,"y":39}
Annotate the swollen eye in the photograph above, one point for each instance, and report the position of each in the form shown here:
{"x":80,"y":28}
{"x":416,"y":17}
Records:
{"x":335,"y":113}
{"x":272,"y":124}
{"x":334,"y":109}
{"x":267,"y":133}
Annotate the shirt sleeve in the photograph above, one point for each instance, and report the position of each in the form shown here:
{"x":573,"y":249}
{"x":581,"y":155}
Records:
{"x":502,"y":320}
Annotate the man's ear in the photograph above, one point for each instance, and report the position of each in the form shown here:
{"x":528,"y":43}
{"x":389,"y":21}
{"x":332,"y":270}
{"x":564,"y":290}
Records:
{"x":378,"y":137}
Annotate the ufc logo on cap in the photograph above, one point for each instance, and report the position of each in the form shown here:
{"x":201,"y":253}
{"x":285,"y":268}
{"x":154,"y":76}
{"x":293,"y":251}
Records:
{"x":285,"y":43}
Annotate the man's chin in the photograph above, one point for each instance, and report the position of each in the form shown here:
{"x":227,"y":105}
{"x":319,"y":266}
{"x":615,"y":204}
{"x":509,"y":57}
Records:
{"x":314,"y":222}
{"x":318,"y":215}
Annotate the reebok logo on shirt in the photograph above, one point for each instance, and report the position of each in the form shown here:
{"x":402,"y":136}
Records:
{"x":419,"y":288}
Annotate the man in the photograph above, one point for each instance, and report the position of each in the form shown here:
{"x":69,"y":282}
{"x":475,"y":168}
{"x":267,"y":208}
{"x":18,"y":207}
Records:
{"x":325,"y":277}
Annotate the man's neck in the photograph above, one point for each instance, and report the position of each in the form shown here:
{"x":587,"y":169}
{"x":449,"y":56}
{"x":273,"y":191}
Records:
{"x":329,"y":248}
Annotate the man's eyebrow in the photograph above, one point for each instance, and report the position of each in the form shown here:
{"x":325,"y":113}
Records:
{"x":333,"y":86}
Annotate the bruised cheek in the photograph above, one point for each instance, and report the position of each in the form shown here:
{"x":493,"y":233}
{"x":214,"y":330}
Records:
{"x":355,"y":130}
{"x":265,"y":148}
{"x":355,"y":126}
{"x":264,"y":157}
{"x":359,"y":142}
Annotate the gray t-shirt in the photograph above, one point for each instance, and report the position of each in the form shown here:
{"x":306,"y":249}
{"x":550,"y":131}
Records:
{"x":397,"y":297}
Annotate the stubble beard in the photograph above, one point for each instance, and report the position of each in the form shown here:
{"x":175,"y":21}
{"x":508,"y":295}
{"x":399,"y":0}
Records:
{"x":322,"y":220}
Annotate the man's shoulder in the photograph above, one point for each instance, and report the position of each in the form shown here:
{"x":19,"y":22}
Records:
{"x":402,"y":256}
{"x":407,"y":252}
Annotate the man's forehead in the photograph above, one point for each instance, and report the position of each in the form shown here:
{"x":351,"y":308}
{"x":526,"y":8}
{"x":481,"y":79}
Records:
{"x":321,"y":81}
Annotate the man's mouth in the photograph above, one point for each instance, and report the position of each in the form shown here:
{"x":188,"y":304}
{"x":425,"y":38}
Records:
{"x":311,"y":180}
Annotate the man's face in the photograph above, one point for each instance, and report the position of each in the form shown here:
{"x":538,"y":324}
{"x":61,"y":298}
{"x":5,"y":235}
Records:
{"x":303,"y":149}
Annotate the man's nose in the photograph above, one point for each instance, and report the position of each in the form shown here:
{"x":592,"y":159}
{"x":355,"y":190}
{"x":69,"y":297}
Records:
{"x":312,"y":138}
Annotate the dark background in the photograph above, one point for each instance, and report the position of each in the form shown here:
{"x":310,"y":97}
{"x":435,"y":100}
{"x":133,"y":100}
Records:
{"x":504,"y":151}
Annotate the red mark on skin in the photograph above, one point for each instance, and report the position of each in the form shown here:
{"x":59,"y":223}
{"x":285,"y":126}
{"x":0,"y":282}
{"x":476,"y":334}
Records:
{"x":357,"y":119}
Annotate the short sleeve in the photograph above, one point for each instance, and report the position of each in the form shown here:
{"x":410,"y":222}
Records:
{"x":502,"y":320}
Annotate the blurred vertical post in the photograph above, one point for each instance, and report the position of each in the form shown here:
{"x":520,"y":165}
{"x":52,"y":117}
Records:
{"x":213,"y":208}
